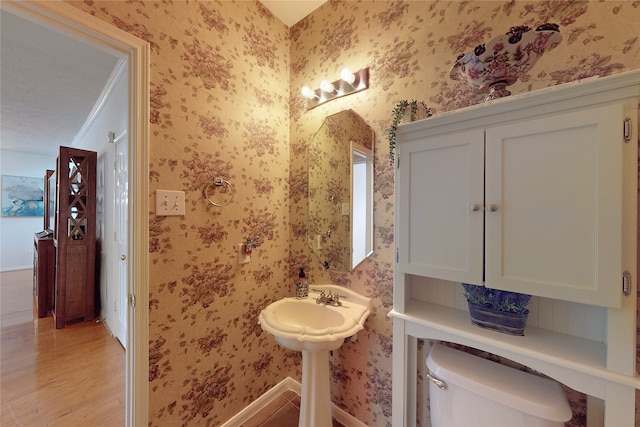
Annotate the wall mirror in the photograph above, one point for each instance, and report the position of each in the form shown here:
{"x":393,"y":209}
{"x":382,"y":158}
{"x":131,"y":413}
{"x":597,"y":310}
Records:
{"x":340,"y":230}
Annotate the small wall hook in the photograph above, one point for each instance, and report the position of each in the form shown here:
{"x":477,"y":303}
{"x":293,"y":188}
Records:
{"x":251,"y":244}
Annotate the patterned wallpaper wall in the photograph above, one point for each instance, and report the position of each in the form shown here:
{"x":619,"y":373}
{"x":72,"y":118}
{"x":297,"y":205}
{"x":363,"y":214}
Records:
{"x":219,"y":90}
{"x":225,"y":80}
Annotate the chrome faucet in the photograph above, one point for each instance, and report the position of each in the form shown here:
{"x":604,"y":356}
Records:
{"x":330,"y":299}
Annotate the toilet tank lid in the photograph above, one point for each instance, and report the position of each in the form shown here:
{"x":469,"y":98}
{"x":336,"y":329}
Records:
{"x":507,"y":386}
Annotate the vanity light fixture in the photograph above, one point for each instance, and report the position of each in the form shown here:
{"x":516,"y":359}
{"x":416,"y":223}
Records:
{"x":327,"y":87}
{"x":308,"y":93}
{"x":347,"y":84}
{"x":347,"y":76}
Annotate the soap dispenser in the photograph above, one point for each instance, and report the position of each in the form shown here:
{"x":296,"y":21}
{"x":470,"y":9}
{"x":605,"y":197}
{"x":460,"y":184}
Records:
{"x":302,"y":287}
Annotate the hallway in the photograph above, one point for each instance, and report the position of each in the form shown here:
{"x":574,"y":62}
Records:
{"x":56,"y":377}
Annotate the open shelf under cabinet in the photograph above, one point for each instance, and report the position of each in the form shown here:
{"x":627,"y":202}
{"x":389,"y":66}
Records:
{"x":575,"y":361}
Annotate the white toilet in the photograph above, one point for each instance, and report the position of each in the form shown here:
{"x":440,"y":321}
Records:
{"x":468,"y":391}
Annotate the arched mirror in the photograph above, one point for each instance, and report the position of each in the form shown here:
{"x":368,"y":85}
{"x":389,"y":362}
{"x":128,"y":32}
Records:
{"x":340,"y":230}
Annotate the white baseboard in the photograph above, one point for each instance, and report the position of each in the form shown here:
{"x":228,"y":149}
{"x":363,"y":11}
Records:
{"x":6,"y":269}
{"x":345,"y":418}
{"x":264,"y":400}
{"x":288,"y":383}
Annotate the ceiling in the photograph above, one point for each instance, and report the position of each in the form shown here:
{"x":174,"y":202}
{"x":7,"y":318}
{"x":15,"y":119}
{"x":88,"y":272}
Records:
{"x":50,"y":82}
{"x":292,"y":11}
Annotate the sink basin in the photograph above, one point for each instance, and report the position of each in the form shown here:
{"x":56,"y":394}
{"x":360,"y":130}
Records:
{"x":304,"y":325}
{"x":315,"y":329}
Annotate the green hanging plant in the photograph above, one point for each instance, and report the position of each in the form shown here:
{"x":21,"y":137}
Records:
{"x":398,"y":115}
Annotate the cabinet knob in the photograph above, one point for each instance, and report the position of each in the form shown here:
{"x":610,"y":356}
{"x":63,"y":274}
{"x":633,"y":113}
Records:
{"x":493,"y":208}
{"x":475,"y":207}
{"x":123,"y":257}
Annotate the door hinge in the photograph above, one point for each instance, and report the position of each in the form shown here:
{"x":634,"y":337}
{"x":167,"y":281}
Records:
{"x":132,"y":300}
{"x":626,"y":283}
{"x":626,"y":130}
{"x":397,"y":161}
{"x":397,"y":255}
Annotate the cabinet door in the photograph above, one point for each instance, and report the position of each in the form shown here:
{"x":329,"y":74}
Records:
{"x":440,"y":179}
{"x":556,"y":187}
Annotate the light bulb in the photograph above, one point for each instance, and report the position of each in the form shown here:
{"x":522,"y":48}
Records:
{"x":347,"y":76}
{"x":325,"y":86}
{"x":308,"y":93}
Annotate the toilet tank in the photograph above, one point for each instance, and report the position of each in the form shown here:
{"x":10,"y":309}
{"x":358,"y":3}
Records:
{"x":480,"y":392}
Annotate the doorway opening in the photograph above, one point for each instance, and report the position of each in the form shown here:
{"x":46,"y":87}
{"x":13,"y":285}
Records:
{"x":64,"y":18}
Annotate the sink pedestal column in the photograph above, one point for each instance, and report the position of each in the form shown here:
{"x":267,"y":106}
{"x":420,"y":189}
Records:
{"x":315,"y":399}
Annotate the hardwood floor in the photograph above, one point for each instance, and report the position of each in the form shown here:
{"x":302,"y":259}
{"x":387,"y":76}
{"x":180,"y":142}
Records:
{"x":16,"y":302}
{"x":59,"y":377}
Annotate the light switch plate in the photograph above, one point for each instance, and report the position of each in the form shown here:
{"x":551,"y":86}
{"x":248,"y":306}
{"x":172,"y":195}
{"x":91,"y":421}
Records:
{"x":169,"y":202}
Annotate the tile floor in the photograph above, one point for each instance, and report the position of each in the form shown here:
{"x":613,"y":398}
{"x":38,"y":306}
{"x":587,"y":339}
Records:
{"x":284,"y":411}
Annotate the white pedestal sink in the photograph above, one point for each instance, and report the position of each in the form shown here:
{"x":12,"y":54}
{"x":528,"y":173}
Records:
{"x":315,"y":329}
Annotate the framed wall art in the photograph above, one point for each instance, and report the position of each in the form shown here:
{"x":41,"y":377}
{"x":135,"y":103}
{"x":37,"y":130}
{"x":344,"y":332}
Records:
{"x":22,"y":196}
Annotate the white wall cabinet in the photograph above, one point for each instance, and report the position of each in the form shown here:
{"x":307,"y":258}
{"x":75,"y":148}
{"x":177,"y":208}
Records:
{"x":539,"y":213}
{"x":536,"y":193}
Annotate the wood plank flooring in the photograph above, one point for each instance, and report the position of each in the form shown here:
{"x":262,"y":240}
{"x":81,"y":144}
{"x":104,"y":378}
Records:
{"x":60,"y":377}
{"x":16,"y":301}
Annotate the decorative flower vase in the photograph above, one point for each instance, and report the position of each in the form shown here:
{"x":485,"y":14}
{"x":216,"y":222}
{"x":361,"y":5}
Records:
{"x":496,"y":320}
{"x":493,"y":66}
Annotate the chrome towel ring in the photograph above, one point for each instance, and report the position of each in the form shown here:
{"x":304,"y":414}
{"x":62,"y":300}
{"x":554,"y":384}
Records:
{"x":219,"y":182}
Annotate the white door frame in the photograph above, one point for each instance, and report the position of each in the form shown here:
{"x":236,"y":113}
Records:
{"x":62,"y":17}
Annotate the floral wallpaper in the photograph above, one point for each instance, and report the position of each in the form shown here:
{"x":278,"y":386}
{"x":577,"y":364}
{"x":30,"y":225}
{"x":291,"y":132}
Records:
{"x":224,"y":83}
{"x":219,"y":93}
{"x":410,"y":46}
